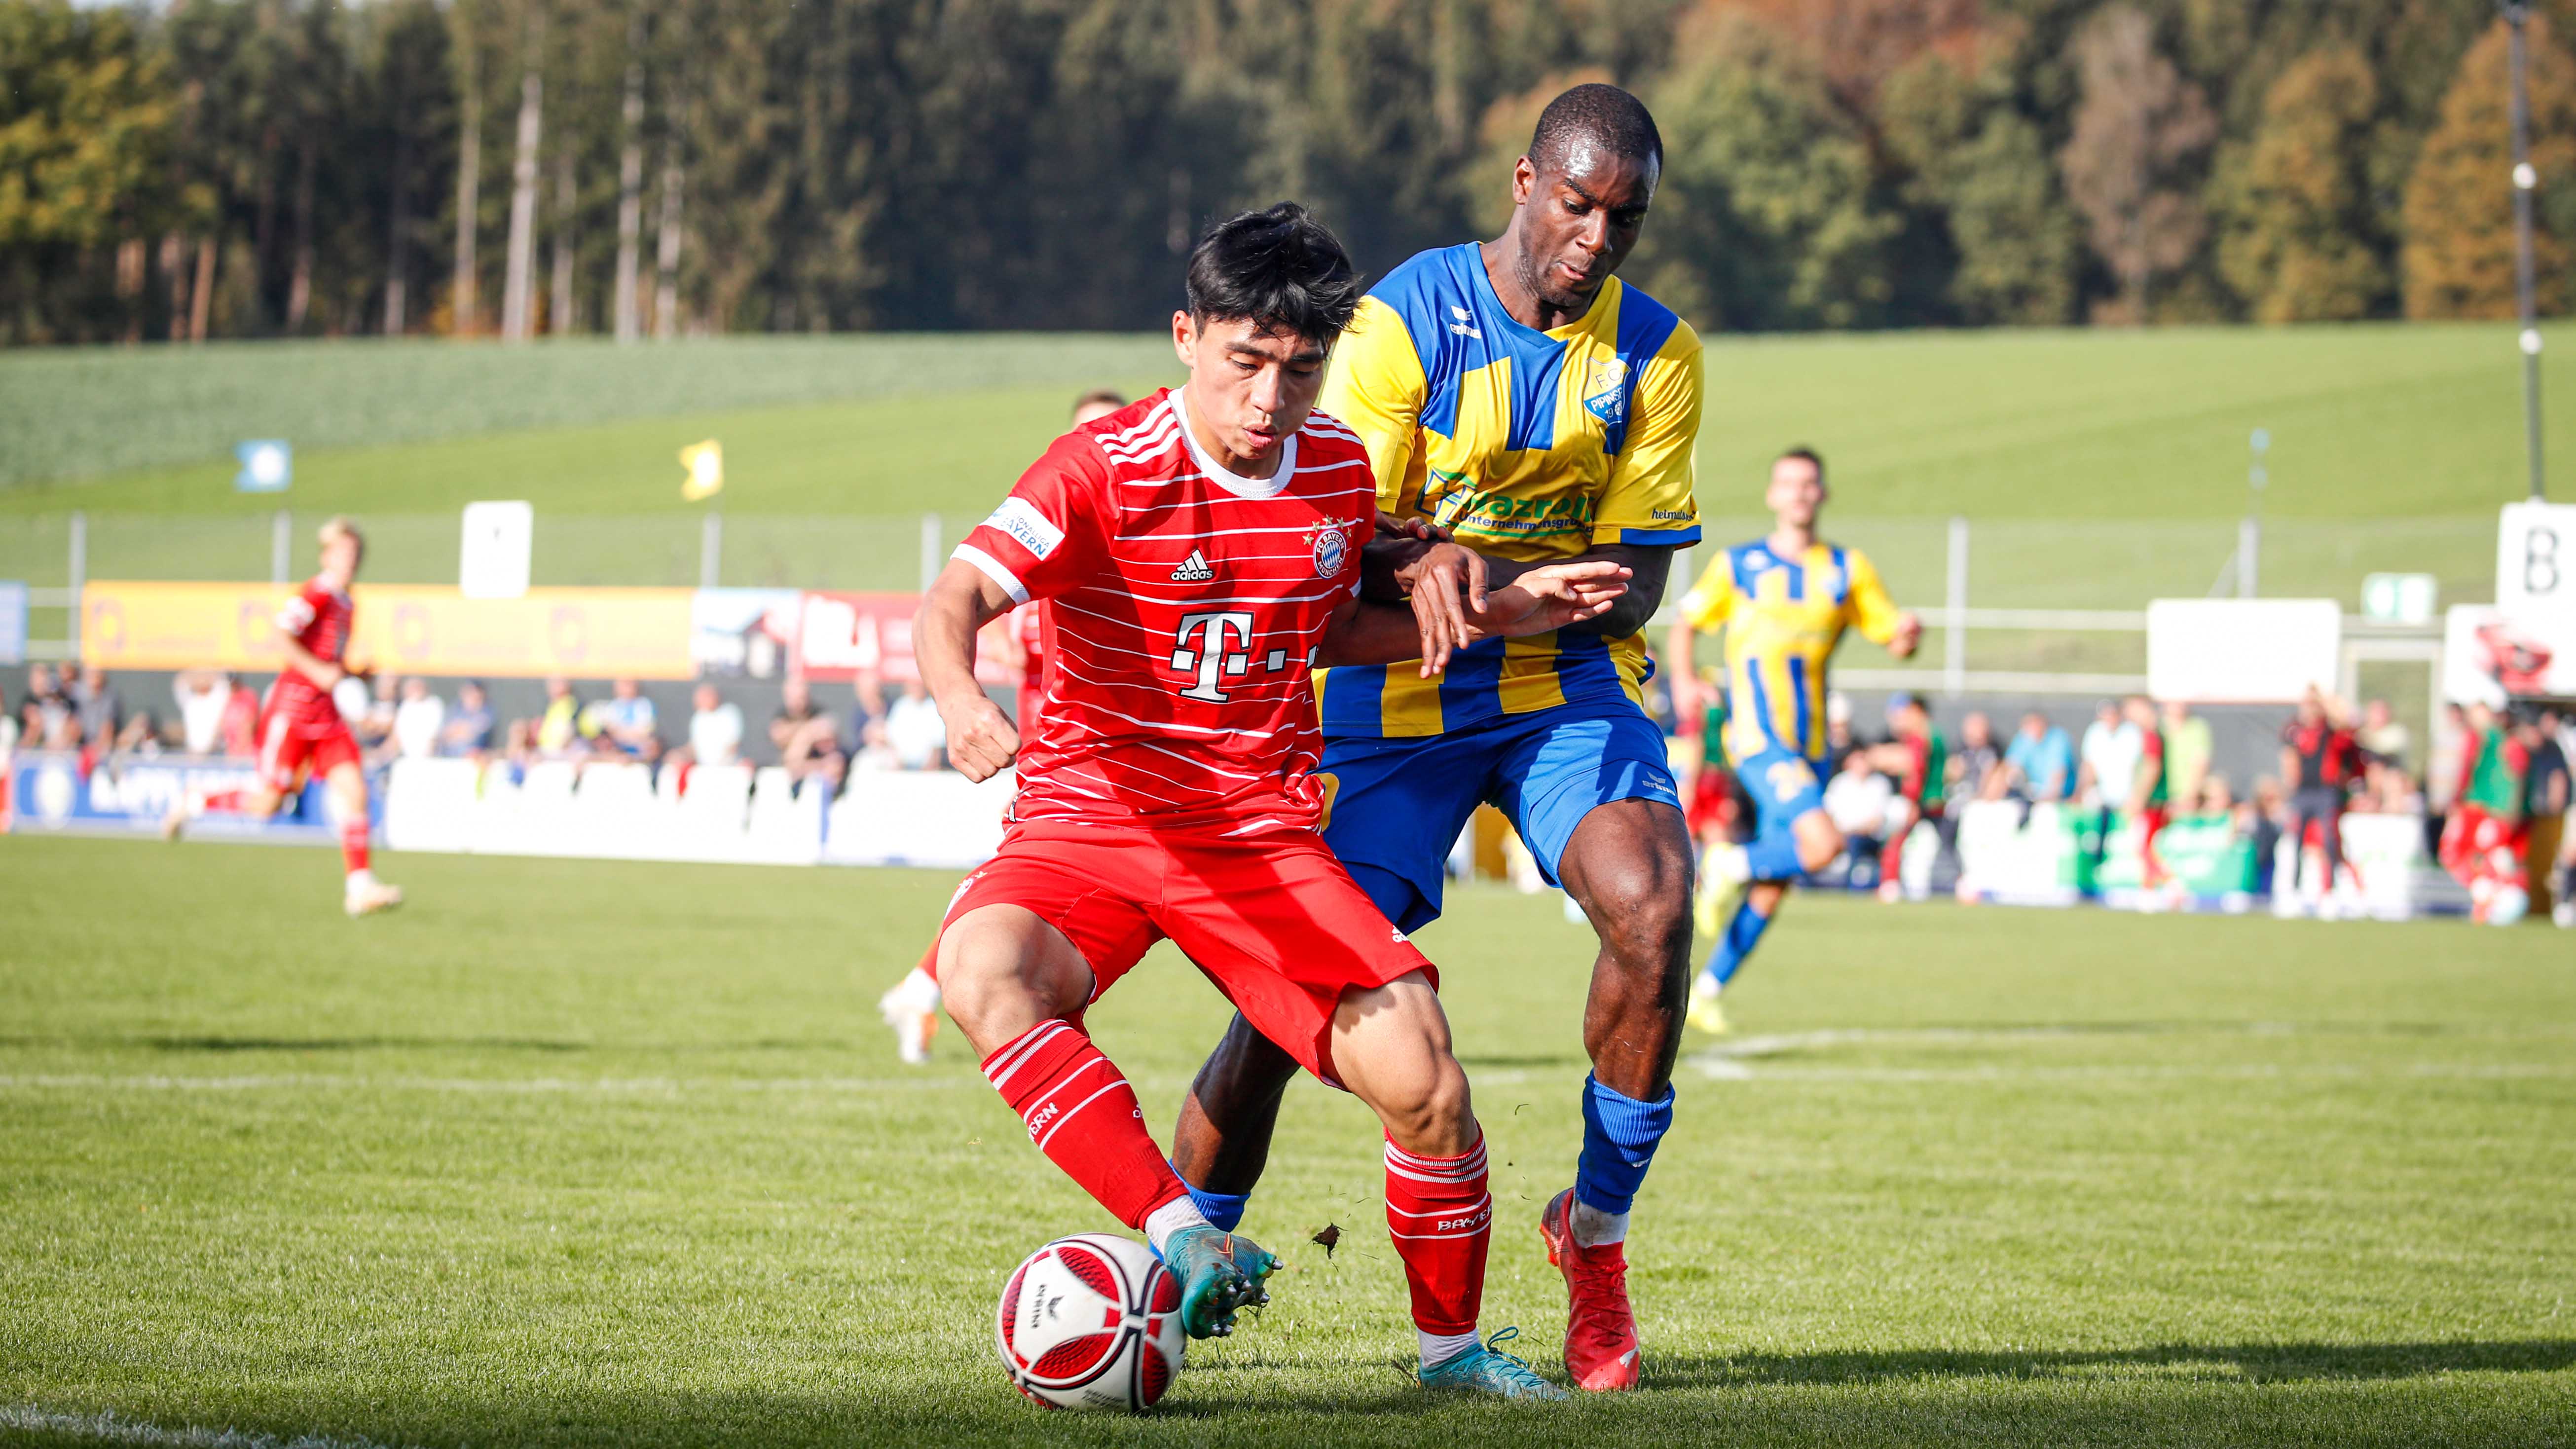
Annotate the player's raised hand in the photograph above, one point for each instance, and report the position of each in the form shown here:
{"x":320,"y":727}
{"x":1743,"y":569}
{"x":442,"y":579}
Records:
{"x":981,"y":741}
{"x":1552,"y":597}
{"x":1446,"y":584}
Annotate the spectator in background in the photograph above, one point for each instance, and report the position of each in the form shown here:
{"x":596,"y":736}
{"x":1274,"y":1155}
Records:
{"x":418,"y":720}
{"x":806,"y":742}
{"x":141,"y":735}
{"x":200,"y":695}
{"x":623,"y":726}
{"x":2319,"y":763}
{"x":2382,"y":738}
{"x":1858,"y":799}
{"x":2187,"y":752}
{"x":374,"y":722}
{"x":868,"y":705}
{"x":467,"y":730}
{"x":1096,"y":404}
{"x":47,"y":714}
{"x":96,"y":708}
{"x":241,"y":722}
{"x":2108,"y":762}
{"x":2442,"y":760}
{"x":1839,"y":739}
{"x":2039,"y":764}
{"x":9,"y":727}
{"x":556,"y":734}
{"x":914,"y":729}
{"x":2545,"y":795}
{"x":2260,"y":820}
{"x":715,"y":731}
{"x":1977,"y":769}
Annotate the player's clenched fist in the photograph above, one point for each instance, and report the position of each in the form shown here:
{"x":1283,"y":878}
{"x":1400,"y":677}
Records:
{"x":981,"y":742}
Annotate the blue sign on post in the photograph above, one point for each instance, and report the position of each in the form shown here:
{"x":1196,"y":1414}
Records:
{"x":267,"y":466}
{"x":13,"y":622}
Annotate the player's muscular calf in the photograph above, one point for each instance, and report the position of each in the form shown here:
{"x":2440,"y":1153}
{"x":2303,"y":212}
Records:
{"x":1223,"y":1140}
{"x":1629,"y":867}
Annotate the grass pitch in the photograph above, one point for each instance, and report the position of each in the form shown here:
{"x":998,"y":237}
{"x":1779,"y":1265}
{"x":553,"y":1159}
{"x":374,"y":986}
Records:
{"x":576,"y":1153}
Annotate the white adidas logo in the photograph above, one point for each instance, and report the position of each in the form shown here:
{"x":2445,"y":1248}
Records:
{"x":1193,"y":570}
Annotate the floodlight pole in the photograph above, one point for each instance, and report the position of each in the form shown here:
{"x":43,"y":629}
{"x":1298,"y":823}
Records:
{"x":2516,"y":14}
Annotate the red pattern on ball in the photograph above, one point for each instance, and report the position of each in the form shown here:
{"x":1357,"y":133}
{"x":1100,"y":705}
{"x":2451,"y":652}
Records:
{"x":1166,"y":1291}
{"x":1153,"y":1374}
{"x":1094,"y":1271}
{"x":1073,"y":1356}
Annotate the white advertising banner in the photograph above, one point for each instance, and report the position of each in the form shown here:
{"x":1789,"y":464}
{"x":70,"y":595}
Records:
{"x":2242,"y":651}
{"x":2527,"y":643}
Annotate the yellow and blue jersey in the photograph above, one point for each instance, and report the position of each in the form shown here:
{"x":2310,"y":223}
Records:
{"x":1530,"y":446}
{"x":1783,"y":617}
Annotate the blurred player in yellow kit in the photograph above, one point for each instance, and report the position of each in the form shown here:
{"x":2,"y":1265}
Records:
{"x":1784,"y":601}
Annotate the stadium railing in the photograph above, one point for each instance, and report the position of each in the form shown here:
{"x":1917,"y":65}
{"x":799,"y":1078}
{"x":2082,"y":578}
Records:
{"x":2011,"y":604}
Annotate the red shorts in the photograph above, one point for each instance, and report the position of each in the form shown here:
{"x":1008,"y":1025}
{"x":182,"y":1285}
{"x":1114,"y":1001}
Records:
{"x":2475,"y":842}
{"x":1712,"y":800}
{"x":294,"y":741}
{"x":1273,"y":920}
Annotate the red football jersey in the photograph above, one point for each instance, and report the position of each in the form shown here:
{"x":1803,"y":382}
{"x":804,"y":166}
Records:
{"x":1186,"y":608}
{"x":319,"y":616}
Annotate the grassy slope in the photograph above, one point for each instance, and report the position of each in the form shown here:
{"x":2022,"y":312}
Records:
{"x":647,"y":1174}
{"x":2375,"y":421}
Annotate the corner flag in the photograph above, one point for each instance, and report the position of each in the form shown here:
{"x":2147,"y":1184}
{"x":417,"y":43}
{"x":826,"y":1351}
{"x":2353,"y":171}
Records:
{"x":705,"y":462}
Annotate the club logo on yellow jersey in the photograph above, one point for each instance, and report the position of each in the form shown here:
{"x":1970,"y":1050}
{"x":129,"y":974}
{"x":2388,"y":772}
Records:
{"x":1605,"y":394}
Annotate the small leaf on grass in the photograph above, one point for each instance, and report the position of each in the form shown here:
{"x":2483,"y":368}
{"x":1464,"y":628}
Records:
{"x":1329,"y":1239}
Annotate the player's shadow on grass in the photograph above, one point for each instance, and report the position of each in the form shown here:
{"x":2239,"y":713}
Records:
{"x":2177,"y":1362}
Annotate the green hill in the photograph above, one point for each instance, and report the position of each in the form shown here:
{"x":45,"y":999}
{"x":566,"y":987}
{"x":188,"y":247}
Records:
{"x":2100,"y":467}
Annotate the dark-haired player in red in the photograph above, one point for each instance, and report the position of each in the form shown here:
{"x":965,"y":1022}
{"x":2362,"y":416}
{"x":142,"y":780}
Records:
{"x":300,"y":729}
{"x":1199,"y":555}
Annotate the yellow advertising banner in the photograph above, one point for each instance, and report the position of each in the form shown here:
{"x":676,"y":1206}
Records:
{"x":405,"y":628}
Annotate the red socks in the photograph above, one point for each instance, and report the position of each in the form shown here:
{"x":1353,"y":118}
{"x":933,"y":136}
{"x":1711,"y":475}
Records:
{"x":1082,"y":1114}
{"x":227,"y":802}
{"x":1442,"y":1220}
{"x":353,"y":845}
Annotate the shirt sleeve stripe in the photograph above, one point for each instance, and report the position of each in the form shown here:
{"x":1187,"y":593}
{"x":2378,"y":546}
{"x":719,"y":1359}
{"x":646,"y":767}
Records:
{"x":1683,"y":537}
{"x":993,"y":568}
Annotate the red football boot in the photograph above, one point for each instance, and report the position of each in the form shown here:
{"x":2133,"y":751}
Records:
{"x":1601,"y":1330}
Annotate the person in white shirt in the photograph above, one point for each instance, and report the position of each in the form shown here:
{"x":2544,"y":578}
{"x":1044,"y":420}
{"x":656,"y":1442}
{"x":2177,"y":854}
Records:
{"x":418,"y":719}
{"x":2110,"y":754}
{"x":201,"y":695}
{"x":715,"y":729}
{"x":914,"y":729}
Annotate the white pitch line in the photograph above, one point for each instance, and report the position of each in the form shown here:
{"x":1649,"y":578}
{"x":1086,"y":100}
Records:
{"x":1729,"y":1069}
{"x":108,"y":1428}
{"x":499,"y":1086}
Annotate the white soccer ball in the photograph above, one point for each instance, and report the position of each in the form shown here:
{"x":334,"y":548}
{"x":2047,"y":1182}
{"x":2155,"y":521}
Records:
{"x":2507,"y":906}
{"x":1092,"y":1321}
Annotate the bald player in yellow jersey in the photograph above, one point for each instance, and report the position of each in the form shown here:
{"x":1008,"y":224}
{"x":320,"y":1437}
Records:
{"x":1532,"y":408}
{"x":1784,"y":601}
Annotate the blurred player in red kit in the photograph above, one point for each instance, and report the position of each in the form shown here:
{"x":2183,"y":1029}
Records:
{"x":1200,"y":554}
{"x":300,"y":730}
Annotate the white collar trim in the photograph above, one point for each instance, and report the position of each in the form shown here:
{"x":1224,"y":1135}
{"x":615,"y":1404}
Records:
{"x":1233,"y":482}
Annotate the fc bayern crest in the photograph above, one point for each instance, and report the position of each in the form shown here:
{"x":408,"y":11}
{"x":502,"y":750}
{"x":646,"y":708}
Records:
{"x":1332,"y":549}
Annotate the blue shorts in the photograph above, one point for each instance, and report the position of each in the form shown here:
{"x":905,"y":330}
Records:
{"x":1398,"y":804}
{"x":1783,"y":786}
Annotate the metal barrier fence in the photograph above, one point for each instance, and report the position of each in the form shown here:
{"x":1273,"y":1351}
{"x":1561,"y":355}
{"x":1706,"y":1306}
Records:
{"x":2017,"y":605}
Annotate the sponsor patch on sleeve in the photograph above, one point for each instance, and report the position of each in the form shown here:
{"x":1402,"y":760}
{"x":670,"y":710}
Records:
{"x":1021,"y":520}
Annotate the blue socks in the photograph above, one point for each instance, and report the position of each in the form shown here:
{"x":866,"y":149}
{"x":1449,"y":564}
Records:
{"x":1619,"y":1137}
{"x":1224,"y":1209}
{"x":1742,"y":933}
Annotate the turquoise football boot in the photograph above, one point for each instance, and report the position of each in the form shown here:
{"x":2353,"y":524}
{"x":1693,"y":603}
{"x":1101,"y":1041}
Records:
{"x":1486,"y":1369}
{"x":1219,"y":1272}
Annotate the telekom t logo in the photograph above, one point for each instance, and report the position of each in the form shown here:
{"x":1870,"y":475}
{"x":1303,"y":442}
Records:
{"x":1214,"y":631}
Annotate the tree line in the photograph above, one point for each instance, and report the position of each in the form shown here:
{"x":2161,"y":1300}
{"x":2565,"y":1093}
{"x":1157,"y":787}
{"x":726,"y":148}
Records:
{"x":650,"y":168}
